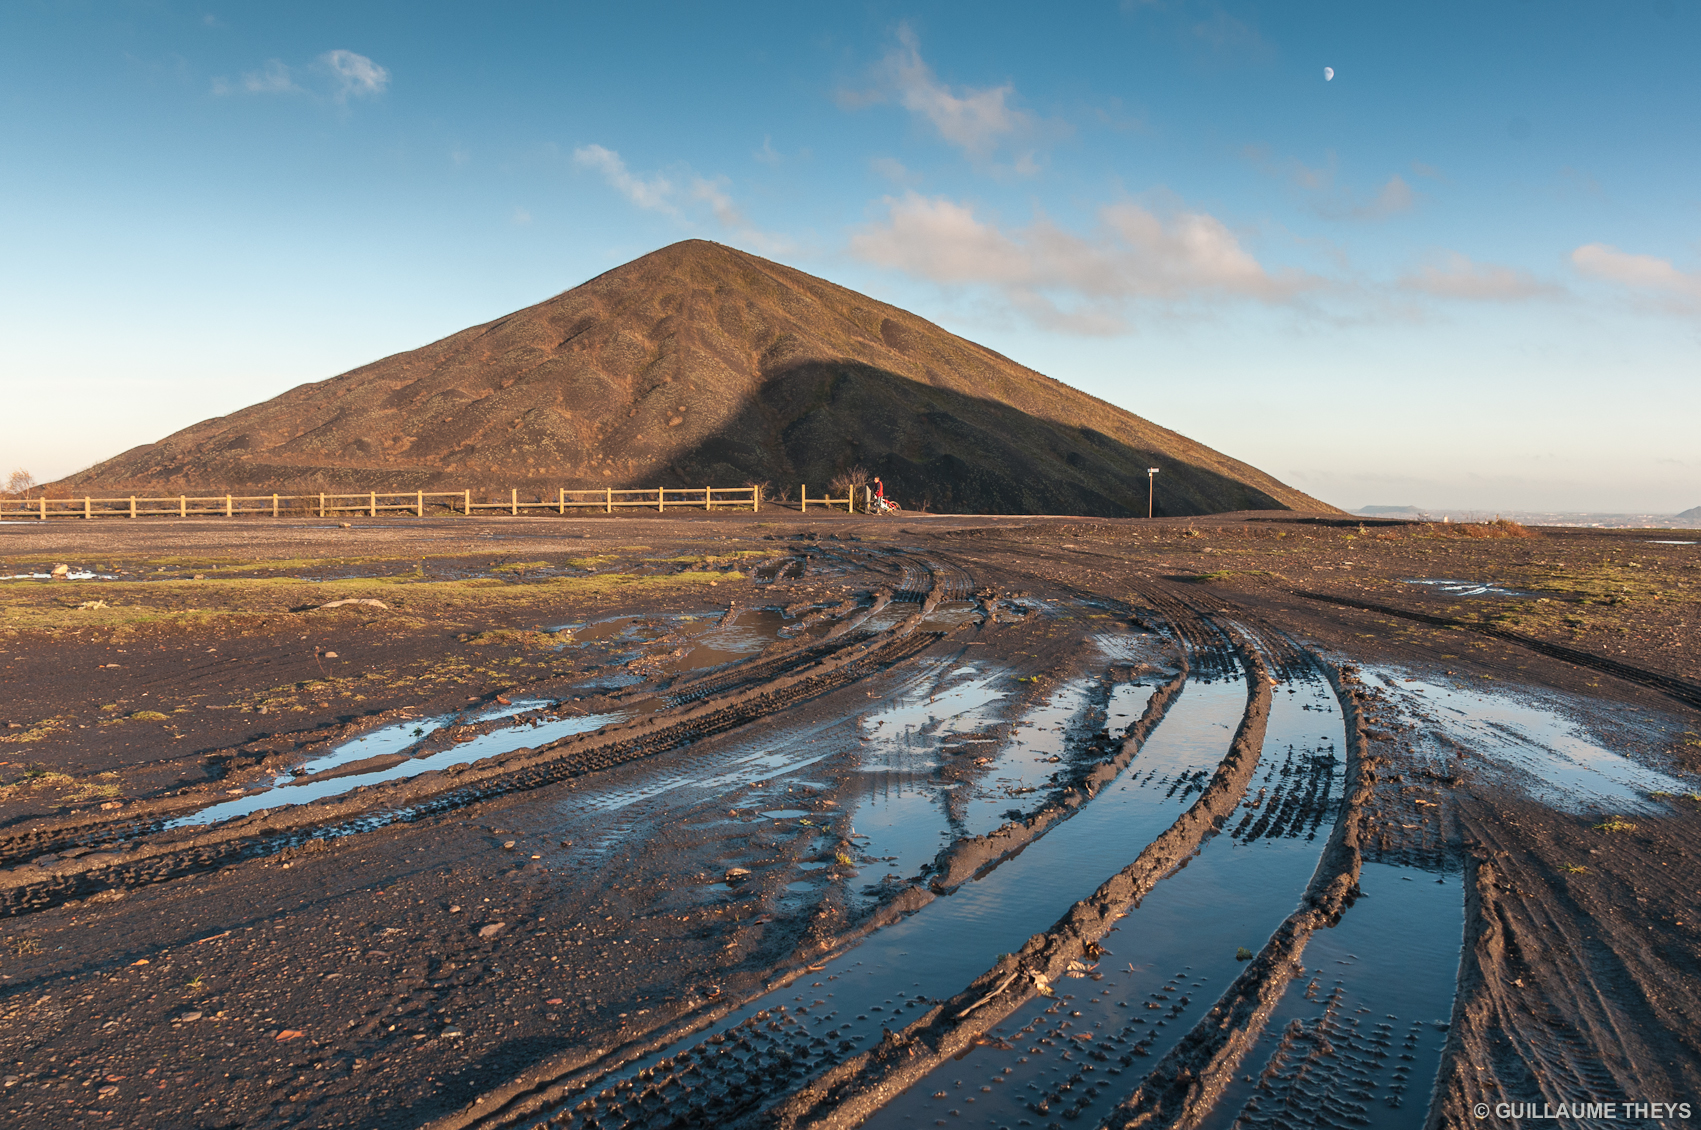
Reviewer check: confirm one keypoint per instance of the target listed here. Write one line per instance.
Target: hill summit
(702, 365)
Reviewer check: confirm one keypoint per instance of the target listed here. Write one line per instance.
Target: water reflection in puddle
(1077, 1055)
(1469, 588)
(1532, 747)
(1357, 1041)
(391, 739)
(885, 980)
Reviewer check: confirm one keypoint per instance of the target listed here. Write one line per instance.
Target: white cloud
(977, 121)
(1453, 275)
(651, 195)
(273, 78)
(1669, 287)
(1080, 283)
(355, 75)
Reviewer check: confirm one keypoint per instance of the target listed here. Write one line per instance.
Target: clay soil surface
(576, 787)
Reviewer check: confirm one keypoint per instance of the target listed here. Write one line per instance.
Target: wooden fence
(418, 503)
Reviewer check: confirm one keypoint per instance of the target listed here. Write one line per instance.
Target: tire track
(25, 890)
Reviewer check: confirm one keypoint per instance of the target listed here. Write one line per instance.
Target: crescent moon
(1328, 74)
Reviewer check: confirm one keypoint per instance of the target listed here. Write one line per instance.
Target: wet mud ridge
(87, 873)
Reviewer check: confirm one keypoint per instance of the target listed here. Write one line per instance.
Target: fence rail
(418, 503)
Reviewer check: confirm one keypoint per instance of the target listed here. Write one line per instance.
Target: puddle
(1470, 588)
(889, 977)
(1077, 1055)
(1671, 543)
(1533, 748)
(292, 791)
(1357, 1041)
(948, 615)
(1029, 759)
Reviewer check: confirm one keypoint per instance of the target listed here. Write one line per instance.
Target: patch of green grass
(1615, 824)
(1573, 869)
(148, 716)
(1244, 954)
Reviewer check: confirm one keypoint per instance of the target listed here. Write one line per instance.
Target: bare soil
(447, 947)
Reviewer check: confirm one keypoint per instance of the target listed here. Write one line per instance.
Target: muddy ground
(491, 903)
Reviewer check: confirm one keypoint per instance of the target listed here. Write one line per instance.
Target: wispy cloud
(273, 78)
(892, 169)
(342, 75)
(1656, 280)
(661, 193)
(977, 121)
(1319, 187)
(1080, 283)
(354, 75)
(652, 194)
(1455, 276)
(1393, 198)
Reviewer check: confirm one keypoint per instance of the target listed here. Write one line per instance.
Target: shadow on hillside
(942, 451)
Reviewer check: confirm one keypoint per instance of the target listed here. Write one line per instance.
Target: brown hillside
(696, 365)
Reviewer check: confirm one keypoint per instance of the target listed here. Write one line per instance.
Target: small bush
(1615, 824)
(149, 716)
(1244, 954)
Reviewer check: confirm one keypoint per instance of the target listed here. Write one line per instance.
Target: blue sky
(1465, 272)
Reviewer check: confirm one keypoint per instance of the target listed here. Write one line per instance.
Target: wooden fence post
(44, 507)
(608, 506)
(561, 501)
(86, 511)
(513, 500)
(373, 502)
(321, 504)
(661, 499)
(132, 506)
(803, 499)
(274, 504)
(756, 500)
(182, 506)
(419, 505)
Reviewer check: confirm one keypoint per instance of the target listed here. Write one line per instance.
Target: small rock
(188, 1016)
(491, 930)
(108, 806)
(109, 1089)
(291, 1034)
(199, 577)
(454, 910)
(453, 1032)
(330, 655)
(61, 571)
(509, 844)
(345, 525)
(737, 874)
(553, 1000)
